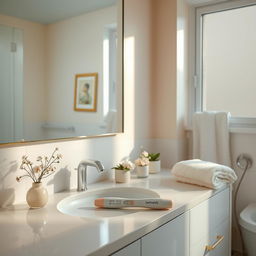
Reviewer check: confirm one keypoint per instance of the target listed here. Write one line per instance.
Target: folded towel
(203, 173)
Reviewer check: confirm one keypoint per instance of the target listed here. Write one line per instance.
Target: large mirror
(60, 69)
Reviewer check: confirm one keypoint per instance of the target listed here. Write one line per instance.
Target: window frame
(236, 123)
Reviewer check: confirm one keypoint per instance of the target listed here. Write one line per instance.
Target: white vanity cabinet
(169, 239)
(210, 225)
(207, 224)
(133, 249)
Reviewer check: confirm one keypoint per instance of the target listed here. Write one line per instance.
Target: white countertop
(46, 231)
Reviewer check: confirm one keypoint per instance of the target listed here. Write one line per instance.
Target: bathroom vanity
(205, 225)
(200, 217)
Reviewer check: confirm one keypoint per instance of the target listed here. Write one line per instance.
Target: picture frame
(85, 95)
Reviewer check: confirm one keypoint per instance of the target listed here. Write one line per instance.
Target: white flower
(144, 154)
(142, 161)
(36, 169)
(127, 165)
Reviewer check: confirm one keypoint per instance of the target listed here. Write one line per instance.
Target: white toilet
(247, 222)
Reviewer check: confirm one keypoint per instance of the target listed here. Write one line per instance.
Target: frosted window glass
(229, 61)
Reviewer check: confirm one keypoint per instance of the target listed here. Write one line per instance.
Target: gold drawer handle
(212, 247)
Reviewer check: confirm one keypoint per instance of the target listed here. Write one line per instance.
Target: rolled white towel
(203, 173)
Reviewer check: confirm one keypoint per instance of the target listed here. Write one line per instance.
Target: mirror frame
(33, 142)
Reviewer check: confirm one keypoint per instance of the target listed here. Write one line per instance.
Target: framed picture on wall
(86, 92)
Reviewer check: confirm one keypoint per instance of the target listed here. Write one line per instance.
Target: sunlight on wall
(182, 70)
(105, 76)
(181, 76)
(129, 81)
(180, 50)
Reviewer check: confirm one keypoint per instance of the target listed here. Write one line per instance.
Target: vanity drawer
(221, 249)
(132, 249)
(205, 217)
(169, 239)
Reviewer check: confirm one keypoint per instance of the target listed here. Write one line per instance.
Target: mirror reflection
(60, 69)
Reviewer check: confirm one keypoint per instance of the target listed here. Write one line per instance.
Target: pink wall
(164, 69)
(168, 85)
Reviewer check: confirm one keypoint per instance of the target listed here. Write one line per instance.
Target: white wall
(240, 144)
(75, 46)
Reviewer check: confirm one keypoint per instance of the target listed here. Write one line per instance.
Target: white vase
(122, 176)
(37, 196)
(154, 166)
(142, 171)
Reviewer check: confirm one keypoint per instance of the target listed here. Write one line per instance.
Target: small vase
(122, 176)
(142, 171)
(154, 166)
(37, 195)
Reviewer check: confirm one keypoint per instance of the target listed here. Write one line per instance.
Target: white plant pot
(122, 176)
(154, 166)
(142, 171)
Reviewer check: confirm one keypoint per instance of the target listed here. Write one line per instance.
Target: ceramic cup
(122, 176)
(142, 171)
(154, 166)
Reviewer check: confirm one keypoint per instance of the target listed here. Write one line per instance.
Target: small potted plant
(142, 164)
(37, 195)
(154, 163)
(122, 171)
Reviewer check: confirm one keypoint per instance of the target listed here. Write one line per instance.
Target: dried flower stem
(31, 170)
(48, 164)
(29, 174)
(42, 171)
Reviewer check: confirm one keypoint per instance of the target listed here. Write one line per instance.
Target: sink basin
(82, 204)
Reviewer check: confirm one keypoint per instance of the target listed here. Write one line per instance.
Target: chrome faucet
(82, 172)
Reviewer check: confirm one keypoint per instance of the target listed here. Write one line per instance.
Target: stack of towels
(202, 173)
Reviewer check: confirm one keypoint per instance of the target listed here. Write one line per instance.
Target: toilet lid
(248, 218)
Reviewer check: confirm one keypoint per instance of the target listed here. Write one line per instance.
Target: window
(226, 60)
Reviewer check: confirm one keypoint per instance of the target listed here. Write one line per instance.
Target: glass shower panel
(11, 62)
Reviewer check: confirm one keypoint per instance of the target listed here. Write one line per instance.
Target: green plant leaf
(154, 156)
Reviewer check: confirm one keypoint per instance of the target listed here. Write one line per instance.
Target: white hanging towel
(211, 137)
